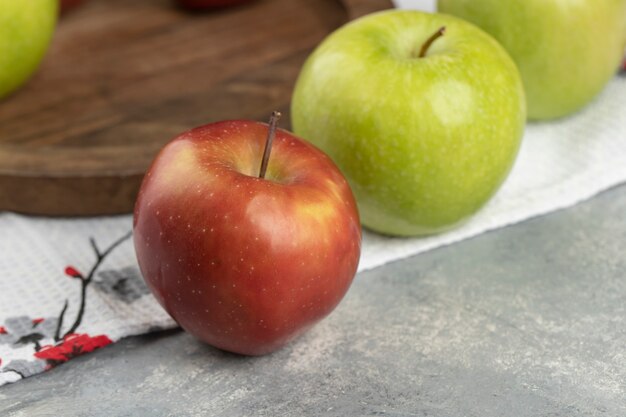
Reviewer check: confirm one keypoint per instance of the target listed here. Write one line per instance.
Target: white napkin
(561, 163)
(425, 5)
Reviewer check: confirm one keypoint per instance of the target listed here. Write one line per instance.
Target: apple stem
(429, 41)
(268, 143)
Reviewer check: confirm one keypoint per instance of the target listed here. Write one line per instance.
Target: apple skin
(210, 4)
(424, 142)
(566, 51)
(26, 28)
(242, 263)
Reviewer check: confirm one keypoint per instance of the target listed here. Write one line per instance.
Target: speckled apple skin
(242, 263)
(425, 142)
(566, 50)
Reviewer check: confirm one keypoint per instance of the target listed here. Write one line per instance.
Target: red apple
(66, 5)
(209, 4)
(245, 263)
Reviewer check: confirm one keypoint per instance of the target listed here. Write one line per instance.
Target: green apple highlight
(26, 27)
(566, 50)
(424, 141)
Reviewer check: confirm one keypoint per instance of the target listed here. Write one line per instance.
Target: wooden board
(122, 78)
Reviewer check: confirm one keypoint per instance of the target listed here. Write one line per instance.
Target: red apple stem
(268, 143)
(429, 41)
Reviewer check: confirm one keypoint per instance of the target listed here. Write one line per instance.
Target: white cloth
(425, 5)
(561, 163)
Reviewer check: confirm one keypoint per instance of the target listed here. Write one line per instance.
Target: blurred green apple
(566, 50)
(26, 27)
(425, 127)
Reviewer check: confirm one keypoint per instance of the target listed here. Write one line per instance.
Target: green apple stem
(429, 41)
(268, 143)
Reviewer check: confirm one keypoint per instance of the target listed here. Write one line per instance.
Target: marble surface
(529, 320)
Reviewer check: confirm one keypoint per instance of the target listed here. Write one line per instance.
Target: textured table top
(529, 320)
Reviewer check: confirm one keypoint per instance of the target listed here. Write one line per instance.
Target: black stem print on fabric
(57, 332)
(16, 371)
(34, 338)
(86, 280)
(23, 330)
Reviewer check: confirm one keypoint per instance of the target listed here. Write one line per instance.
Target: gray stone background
(528, 320)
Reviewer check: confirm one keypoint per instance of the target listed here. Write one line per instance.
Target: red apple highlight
(244, 263)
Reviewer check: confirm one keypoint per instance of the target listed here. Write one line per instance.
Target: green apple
(26, 27)
(425, 128)
(566, 50)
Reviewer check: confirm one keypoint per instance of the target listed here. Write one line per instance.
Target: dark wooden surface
(123, 78)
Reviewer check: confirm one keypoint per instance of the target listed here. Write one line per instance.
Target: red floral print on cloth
(70, 271)
(62, 344)
(72, 345)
